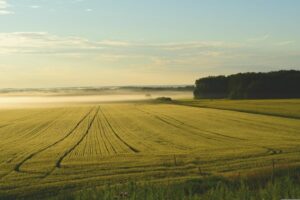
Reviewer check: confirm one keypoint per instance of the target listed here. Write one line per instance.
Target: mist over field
(149, 99)
(54, 97)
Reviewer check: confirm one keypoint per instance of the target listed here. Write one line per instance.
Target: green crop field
(46, 150)
(276, 107)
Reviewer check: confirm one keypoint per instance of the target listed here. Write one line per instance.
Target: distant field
(44, 150)
(276, 107)
(27, 99)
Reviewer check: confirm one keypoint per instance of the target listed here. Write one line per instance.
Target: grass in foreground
(283, 186)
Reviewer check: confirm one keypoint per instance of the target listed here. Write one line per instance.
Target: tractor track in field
(119, 126)
(162, 119)
(59, 161)
(272, 151)
(190, 126)
(250, 122)
(4, 125)
(31, 132)
(193, 127)
(19, 165)
(269, 150)
(8, 160)
(104, 138)
(245, 157)
(41, 128)
(13, 121)
(259, 125)
(96, 144)
(236, 110)
(70, 150)
(104, 135)
(178, 126)
(116, 134)
(154, 168)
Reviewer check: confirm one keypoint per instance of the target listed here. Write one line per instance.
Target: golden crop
(46, 149)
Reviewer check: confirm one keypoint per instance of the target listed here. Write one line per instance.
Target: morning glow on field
(149, 99)
(98, 42)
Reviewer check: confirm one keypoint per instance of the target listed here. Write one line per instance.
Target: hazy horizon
(94, 87)
(149, 99)
(79, 43)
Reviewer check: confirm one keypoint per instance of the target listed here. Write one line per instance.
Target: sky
(62, 43)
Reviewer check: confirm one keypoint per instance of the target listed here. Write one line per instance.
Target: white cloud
(3, 4)
(284, 43)
(195, 45)
(4, 8)
(40, 55)
(5, 12)
(77, 51)
(42, 42)
(114, 43)
(35, 6)
(259, 38)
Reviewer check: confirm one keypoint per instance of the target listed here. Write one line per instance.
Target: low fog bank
(84, 91)
(30, 99)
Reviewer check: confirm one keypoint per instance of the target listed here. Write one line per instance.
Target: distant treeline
(160, 88)
(278, 84)
(82, 90)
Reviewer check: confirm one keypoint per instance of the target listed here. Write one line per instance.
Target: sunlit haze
(140, 42)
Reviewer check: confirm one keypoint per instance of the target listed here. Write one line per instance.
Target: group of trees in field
(278, 84)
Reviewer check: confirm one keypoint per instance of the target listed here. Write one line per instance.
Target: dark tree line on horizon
(278, 84)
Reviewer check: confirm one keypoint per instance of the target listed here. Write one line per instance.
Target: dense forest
(278, 84)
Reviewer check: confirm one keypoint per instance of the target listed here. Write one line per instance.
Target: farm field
(276, 107)
(45, 150)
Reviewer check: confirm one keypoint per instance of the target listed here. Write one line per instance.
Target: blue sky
(95, 42)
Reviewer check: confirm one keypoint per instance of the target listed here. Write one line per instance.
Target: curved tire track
(175, 125)
(59, 161)
(19, 165)
(116, 134)
(106, 139)
(188, 125)
(269, 150)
